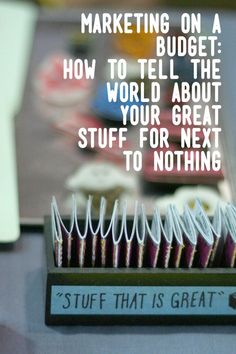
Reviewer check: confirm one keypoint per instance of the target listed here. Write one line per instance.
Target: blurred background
(47, 111)
(212, 4)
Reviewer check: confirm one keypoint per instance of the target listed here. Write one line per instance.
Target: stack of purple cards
(187, 240)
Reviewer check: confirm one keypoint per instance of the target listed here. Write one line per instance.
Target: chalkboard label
(143, 300)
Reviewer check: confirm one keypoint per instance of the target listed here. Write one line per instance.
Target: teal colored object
(17, 22)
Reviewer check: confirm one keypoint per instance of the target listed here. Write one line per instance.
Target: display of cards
(190, 239)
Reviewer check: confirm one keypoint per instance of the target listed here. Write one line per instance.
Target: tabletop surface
(22, 328)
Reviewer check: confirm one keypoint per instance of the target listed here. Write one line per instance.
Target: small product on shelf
(190, 239)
